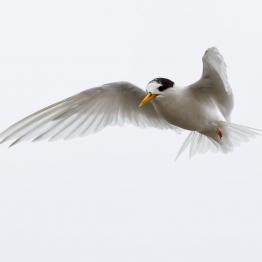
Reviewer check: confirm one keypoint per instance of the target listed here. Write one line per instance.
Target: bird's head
(155, 88)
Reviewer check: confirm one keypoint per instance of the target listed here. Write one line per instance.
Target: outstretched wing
(87, 112)
(214, 81)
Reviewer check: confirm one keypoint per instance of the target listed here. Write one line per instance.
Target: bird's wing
(87, 112)
(214, 82)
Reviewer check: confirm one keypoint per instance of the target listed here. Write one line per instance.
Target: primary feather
(214, 82)
(87, 112)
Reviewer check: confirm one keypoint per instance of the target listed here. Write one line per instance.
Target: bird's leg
(219, 133)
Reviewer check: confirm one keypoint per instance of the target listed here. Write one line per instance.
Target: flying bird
(204, 108)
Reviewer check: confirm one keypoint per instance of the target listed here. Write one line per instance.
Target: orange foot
(219, 133)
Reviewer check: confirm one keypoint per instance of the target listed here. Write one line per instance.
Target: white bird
(204, 108)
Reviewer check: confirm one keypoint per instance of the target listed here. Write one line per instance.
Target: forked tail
(233, 135)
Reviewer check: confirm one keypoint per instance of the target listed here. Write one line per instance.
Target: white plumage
(203, 108)
(87, 112)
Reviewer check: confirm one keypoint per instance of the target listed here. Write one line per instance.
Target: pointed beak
(147, 99)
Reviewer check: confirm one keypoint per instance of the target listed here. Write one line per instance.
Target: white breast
(179, 107)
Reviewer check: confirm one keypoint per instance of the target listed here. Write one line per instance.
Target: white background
(119, 195)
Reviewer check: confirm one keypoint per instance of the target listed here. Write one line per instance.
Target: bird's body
(181, 108)
(204, 108)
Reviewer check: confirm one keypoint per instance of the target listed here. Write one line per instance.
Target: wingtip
(14, 143)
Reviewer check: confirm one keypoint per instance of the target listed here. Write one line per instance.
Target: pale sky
(119, 195)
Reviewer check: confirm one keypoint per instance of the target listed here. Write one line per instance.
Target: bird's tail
(232, 135)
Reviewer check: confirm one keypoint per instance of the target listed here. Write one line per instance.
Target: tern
(203, 108)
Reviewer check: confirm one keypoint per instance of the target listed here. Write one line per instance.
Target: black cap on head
(165, 83)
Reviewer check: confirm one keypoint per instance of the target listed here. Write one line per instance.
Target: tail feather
(186, 143)
(233, 135)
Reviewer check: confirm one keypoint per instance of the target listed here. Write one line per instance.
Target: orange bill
(147, 99)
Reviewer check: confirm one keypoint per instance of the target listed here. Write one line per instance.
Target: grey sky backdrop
(118, 195)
